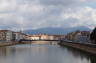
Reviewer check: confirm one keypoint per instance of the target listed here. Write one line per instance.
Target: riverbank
(8, 43)
(90, 48)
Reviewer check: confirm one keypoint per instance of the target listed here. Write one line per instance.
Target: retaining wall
(90, 48)
(7, 43)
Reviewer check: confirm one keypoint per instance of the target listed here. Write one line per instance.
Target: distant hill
(56, 30)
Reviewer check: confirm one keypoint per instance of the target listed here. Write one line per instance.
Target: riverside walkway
(8, 43)
(90, 48)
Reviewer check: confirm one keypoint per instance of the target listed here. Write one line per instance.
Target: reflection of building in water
(79, 54)
(37, 49)
(11, 51)
(7, 51)
(3, 51)
(93, 59)
(45, 42)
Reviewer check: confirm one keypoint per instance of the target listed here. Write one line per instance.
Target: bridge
(37, 40)
(40, 41)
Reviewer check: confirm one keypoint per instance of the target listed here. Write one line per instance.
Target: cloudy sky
(35, 14)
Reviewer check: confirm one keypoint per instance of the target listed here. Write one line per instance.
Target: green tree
(93, 36)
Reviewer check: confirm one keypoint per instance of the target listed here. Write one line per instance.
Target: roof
(5, 30)
(20, 33)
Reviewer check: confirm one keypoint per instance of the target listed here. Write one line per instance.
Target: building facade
(34, 37)
(79, 36)
(19, 36)
(6, 35)
(46, 37)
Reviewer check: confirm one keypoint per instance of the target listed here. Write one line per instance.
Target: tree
(93, 36)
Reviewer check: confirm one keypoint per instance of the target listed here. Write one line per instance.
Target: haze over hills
(56, 30)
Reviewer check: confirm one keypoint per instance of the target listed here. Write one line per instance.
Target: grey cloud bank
(35, 14)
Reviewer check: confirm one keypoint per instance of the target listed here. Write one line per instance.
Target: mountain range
(57, 31)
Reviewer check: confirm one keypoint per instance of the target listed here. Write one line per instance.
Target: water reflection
(43, 54)
(81, 54)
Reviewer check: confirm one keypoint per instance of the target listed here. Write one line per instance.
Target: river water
(43, 53)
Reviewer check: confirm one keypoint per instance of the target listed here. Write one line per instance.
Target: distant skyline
(36, 14)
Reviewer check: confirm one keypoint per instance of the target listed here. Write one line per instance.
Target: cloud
(34, 14)
(61, 2)
(85, 16)
(7, 5)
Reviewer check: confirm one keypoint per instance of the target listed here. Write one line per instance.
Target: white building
(82, 39)
(19, 36)
(34, 37)
(9, 35)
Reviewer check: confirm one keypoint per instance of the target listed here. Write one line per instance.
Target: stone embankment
(7, 43)
(90, 48)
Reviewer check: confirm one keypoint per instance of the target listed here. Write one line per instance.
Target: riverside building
(6, 35)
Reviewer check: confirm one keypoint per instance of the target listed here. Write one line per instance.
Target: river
(43, 53)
